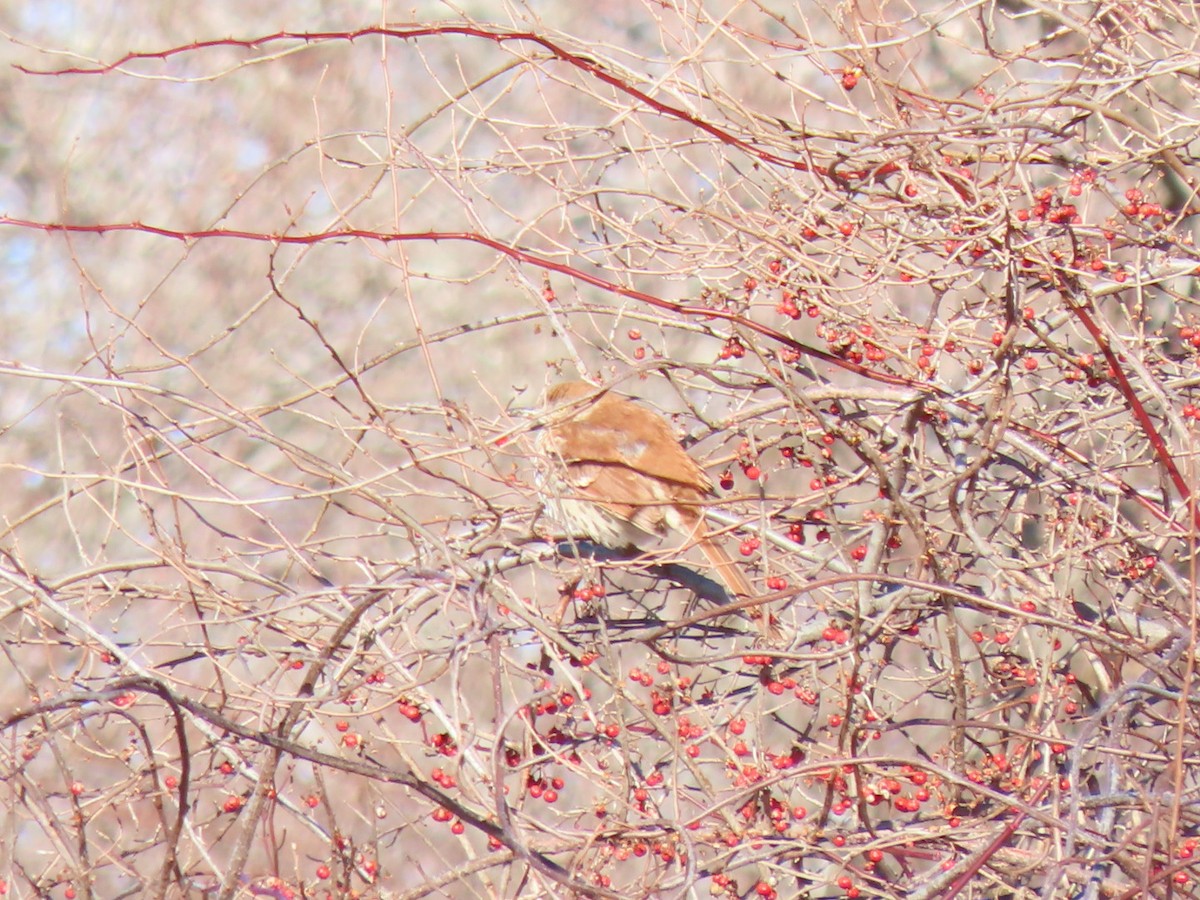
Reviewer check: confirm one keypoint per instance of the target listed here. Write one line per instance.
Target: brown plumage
(620, 477)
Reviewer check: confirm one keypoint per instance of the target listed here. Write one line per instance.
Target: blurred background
(274, 278)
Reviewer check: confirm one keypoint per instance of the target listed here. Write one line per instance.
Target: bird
(618, 477)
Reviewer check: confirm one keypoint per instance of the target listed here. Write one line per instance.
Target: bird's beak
(532, 413)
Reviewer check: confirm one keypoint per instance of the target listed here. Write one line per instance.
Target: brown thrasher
(619, 476)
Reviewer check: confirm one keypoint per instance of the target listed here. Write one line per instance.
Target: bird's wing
(646, 447)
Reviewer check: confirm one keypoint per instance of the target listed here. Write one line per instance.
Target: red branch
(573, 273)
(1000, 840)
(1135, 404)
(680, 309)
(582, 63)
